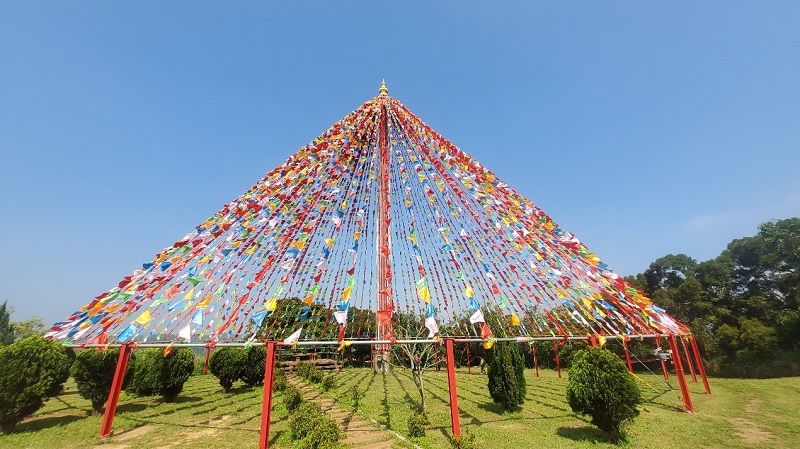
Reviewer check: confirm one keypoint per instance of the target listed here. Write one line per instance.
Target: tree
(669, 271)
(507, 375)
(156, 373)
(418, 358)
(93, 371)
(227, 365)
(6, 333)
(26, 328)
(600, 386)
(29, 369)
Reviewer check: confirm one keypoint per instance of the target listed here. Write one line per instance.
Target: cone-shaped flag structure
(380, 216)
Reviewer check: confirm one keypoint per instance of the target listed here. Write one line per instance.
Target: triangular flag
(433, 327)
(294, 338)
(144, 318)
(186, 333)
(477, 317)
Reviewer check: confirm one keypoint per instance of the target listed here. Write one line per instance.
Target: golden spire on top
(384, 89)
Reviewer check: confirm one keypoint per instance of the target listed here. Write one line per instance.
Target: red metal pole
(688, 359)
(535, 359)
(384, 263)
(451, 386)
(116, 387)
(558, 362)
(266, 403)
(700, 365)
(627, 356)
(663, 363)
(676, 360)
(208, 357)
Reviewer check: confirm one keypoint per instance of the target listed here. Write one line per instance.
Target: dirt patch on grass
(133, 433)
(750, 433)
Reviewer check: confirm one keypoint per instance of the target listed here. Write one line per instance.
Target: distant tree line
(743, 306)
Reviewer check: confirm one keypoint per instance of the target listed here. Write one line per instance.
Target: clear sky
(646, 128)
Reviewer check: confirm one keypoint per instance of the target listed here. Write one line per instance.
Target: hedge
(156, 374)
(227, 365)
(30, 369)
(93, 371)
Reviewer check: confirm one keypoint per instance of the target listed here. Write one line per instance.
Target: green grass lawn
(740, 414)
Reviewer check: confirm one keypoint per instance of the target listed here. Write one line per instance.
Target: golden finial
(384, 89)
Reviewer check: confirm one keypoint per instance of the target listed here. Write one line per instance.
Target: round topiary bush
(279, 383)
(227, 364)
(156, 374)
(329, 382)
(507, 375)
(311, 428)
(29, 370)
(292, 398)
(416, 424)
(601, 387)
(93, 371)
(253, 368)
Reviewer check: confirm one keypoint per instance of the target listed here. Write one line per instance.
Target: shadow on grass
(36, 424)
(584, 433)
(132, 407)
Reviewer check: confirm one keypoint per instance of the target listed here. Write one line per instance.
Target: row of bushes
(311, 373)
(309, 426)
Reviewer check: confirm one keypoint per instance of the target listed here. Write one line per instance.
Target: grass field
(740, 414)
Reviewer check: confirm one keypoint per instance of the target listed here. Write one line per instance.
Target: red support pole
(688, 359)
(535, 359)
(451, 386)
(663, 362)
(266, 403)
(116, 387)
(676, 360)
(627, 356)
(700, 366)
(208, 357)
(558, 362)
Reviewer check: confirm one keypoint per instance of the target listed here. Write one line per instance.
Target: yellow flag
(602, 340)
(424, 294)
(204, 302)
(514, 319)
(144, 318)
(346, 293)
(189, 295)
(469, 292)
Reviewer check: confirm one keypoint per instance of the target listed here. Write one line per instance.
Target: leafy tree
(93, 371)
(156, 373)
(254, 366)
(506, 375)
(669, 271)
(6, 333)
(227, 365)
(27, 328)
(29, 369)
(418, 358)
(600, 386)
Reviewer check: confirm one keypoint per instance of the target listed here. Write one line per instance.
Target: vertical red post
(451, 386)
(208, 357)
(558, 362)
(663, 362)
(688, 359)
(676, 360)
(700, 366)
(535, 359)
(116, 387)
(384, 264)
(627, 355)
(266, 403)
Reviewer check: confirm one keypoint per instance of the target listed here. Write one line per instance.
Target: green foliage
(303, 369)
(292, 397)
(356, 395)
(253, 369)
(465, 441)
(279, 382)
(329, 382)
(601, 387)
(28, 328)
(743, 306)
(155, 374)
(6, 333)
(93, 371)
(506, 375)
(227, 364)
(416, 424)
(311, 429)
(29, 370)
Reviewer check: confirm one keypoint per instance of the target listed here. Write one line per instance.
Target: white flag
(477, 317)
(341, 316)
(294, 338)
(433, 328)
(186, 333)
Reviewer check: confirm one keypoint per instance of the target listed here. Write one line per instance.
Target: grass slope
(740, 414)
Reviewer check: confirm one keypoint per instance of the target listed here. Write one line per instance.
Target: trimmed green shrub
(507, 375)
(303, 369)
(253, 369)
(356, 395)
(292, 398)
(93, 371)
(329, 382)
(227, 364)
(315, 375)
(312, 429)
(156, 374)
(416, 424)
(29, 370)
(600, 386)
(465, 441)
(279, 383)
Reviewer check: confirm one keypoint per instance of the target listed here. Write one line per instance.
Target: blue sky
(646, 128)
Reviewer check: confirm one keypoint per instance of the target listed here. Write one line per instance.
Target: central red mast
(385, 306)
